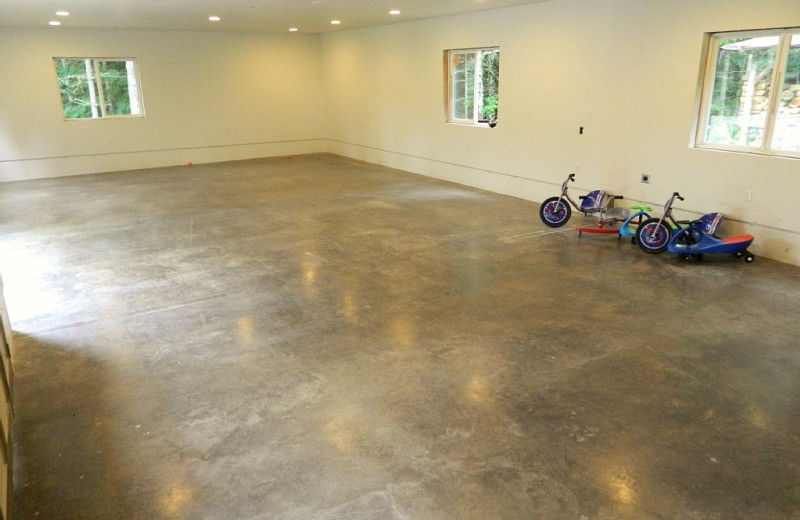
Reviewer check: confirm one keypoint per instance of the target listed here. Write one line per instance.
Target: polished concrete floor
(321, 339)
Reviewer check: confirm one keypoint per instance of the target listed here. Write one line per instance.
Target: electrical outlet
(646, 178)
(748, 195)
(577, 168)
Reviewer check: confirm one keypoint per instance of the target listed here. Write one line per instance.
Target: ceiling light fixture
(293, 29)
(62, 13)
(394, 12)
(214, 18)
(335, 22)
(54, 22)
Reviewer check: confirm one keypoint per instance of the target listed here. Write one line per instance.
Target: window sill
(777, 154)
(470, 124)
(106, 118)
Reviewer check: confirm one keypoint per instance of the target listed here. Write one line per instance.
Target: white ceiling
(309, 16)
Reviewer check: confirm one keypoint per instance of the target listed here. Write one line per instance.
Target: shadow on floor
(69, 460)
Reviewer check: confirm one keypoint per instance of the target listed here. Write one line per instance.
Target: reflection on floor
(322, 339)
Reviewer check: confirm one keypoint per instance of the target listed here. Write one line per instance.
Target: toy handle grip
(572, 177)
(677, 196)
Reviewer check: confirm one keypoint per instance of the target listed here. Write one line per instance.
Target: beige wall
(566, 64)
(377, 94)
(208, 97)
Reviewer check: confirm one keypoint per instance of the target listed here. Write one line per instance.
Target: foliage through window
(751, 93)
(93, 88)
(472, 85)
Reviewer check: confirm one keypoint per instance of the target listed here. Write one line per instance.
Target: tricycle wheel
(653, 236)
(555, 212)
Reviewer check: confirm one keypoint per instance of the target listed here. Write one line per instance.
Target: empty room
(400, 259)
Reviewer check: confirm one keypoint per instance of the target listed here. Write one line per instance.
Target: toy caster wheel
(749, 258)
(738, 254)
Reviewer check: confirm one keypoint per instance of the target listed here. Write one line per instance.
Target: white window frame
(100, 105)
(449, 86)
(706, 87)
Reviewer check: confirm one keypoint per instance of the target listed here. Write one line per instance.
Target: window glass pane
(463, 95)
(490, 75)
(93, 88)
(78, 88)
(119, 87)
(787, 124)
(740, 94)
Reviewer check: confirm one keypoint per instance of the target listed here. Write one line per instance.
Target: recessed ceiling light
(54, 22)
(293, 29)
(335, 22)
(62, 13)
(213, 18)
(394, 12)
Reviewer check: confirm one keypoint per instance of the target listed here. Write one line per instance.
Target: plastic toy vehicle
(690, 238)
(556, 211)
(698, 239)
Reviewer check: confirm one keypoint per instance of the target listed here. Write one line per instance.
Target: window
(93, 88)
(472, 85)
(751, 93)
